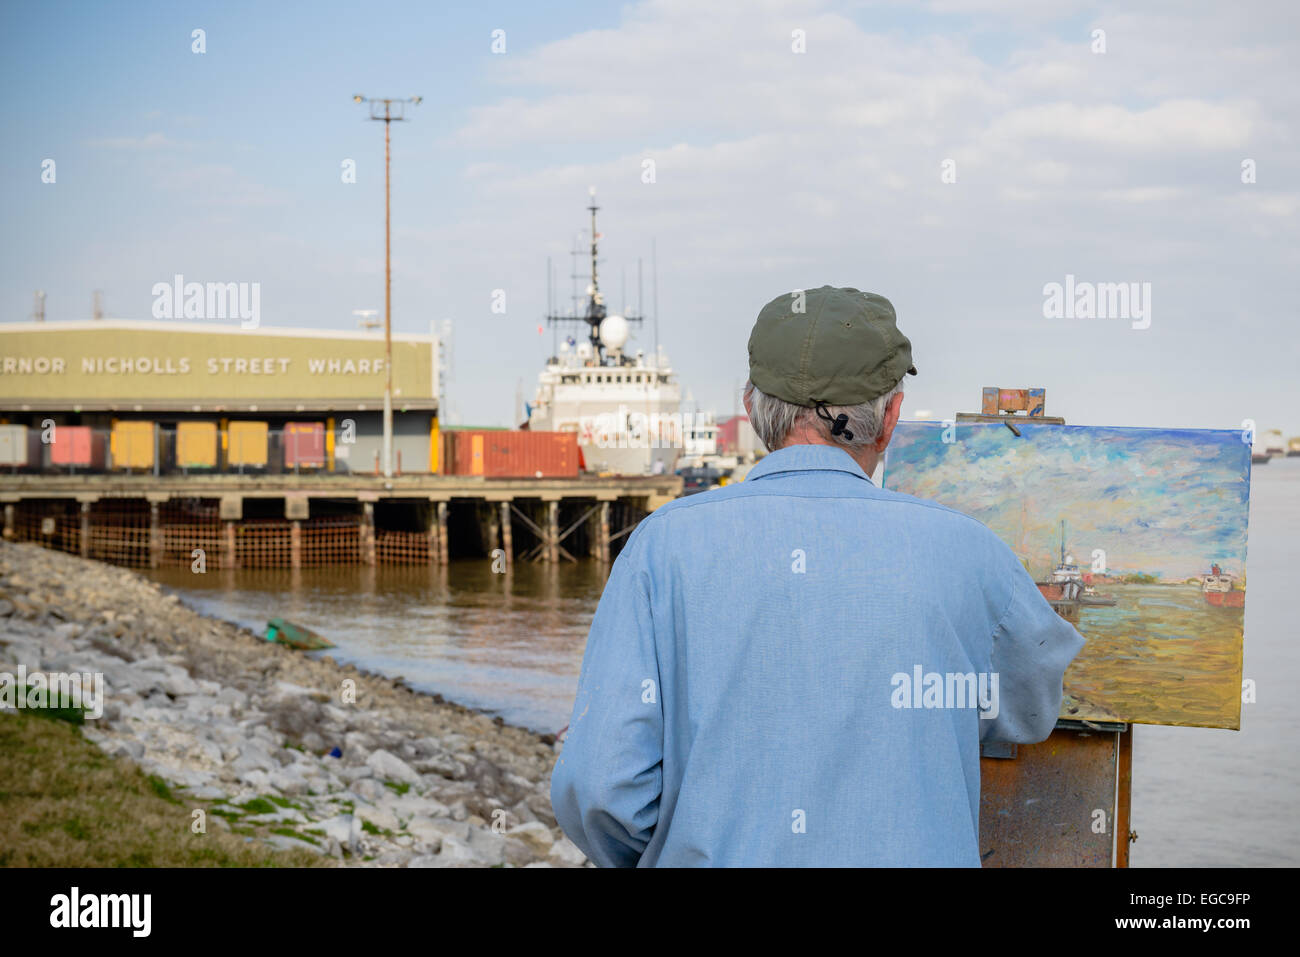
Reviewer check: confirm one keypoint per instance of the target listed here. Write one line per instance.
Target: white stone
(536, 835)
(566, 854)
(390, 767)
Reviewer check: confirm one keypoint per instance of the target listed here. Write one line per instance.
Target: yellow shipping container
(131, 443)
(196, 445)
(247, 444)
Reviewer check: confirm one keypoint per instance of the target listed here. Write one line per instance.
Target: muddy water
(509, 644)
(513, 645)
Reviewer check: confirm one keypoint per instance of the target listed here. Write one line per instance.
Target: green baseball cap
(838, 346)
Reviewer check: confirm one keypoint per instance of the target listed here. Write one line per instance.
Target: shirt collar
(804, 458)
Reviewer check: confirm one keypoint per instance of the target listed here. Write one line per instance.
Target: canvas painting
(1136, 536)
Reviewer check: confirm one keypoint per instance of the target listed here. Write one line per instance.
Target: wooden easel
(1066, 801)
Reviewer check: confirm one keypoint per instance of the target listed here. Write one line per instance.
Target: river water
(512, 645)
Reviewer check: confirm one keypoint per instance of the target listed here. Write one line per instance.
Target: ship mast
(595, 305)
(596, 311)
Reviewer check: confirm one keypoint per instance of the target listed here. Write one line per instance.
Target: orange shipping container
(131, 444)
(247, 442)
(510, 454)
(196, 445)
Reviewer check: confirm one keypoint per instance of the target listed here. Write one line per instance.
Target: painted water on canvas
(1137, 536)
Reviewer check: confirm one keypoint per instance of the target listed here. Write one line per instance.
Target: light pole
(388, 116)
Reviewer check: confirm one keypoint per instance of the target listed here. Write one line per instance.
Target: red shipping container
(79, 446)
(510, 454)
(304, 445)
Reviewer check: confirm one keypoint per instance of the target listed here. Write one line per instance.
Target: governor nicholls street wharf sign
(112, 364)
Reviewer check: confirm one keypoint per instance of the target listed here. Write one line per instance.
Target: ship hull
(1226, 599)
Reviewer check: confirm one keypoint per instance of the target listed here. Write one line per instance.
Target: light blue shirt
(749, 692)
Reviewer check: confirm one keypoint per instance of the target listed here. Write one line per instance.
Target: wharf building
(147, 443)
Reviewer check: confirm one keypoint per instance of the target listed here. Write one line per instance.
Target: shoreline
(246, 728)
(546, 737)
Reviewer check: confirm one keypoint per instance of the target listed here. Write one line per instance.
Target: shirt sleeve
(606, 785)
(1032, 647)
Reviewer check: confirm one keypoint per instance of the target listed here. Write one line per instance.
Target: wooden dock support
(367, 537)
(155, 537)
(295, 544)
(507, 534)
(431, 530)
(9, 522)
(602, 534)
(229, 557)
(493, 529)
(552, 531)
(442, 533)
(85, 530)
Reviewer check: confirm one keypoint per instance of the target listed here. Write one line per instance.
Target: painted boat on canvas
(1221, 590)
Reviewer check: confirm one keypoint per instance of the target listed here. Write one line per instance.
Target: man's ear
(893, 410)
(745, 394)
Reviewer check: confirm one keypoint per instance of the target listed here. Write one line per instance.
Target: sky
(1157, 501)
(955, 156)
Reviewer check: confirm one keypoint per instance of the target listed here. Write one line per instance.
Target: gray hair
(773, 419)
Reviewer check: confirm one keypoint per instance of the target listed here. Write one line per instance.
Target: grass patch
(400, 787)
(290, 832)
(65, 803)
(258, 806)
(60, 710)
(371, 828)
(162, 789)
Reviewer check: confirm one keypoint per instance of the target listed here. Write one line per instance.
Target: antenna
(550, 306)
(97, 304)
(595, 283)
(654, 287)
(595, 312)
(39, 313)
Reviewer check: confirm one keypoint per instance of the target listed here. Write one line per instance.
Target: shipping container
(196, 445)
(132, 444)
(304, 445)
(512, 454)
(20, 447)
(246, 443)
(78, 446)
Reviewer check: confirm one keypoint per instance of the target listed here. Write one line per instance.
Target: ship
(1221, 589)
(624, 406)
(1293, 447)
(1067, 589)
(1259, 453)
(1273, 444)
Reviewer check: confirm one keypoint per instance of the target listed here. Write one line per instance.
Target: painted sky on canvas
(1166, 502)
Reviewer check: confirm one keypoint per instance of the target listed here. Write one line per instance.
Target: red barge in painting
(1220, 590)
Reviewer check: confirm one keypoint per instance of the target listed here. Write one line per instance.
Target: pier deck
(292, 520)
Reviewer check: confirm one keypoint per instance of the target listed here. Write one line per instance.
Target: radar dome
(584, 350)
(613, 332)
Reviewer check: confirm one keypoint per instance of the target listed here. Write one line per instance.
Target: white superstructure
(625, 408)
